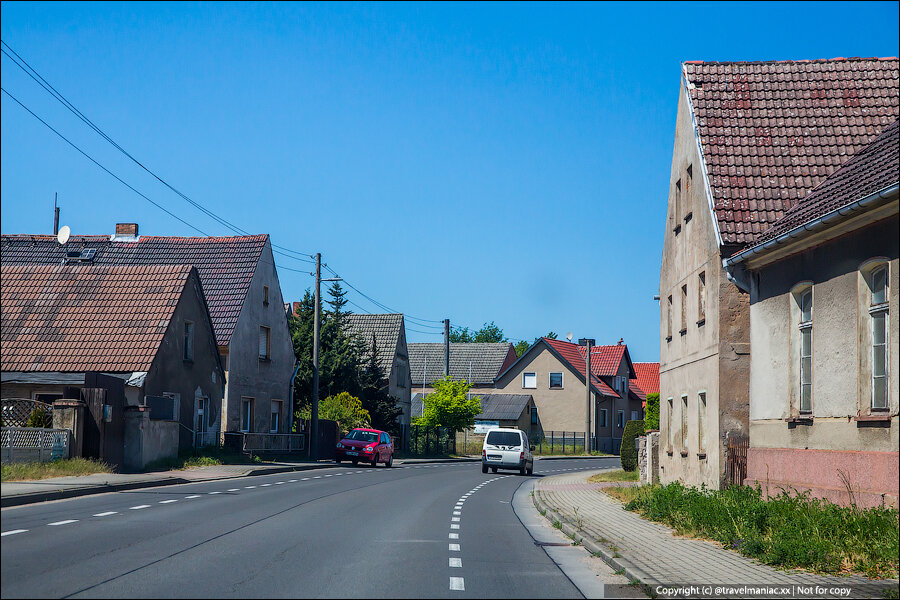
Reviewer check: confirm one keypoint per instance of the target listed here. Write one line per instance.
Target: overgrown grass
(623, 494)
(30, 471)
(785, 531)
(617, 475)
(210, 457)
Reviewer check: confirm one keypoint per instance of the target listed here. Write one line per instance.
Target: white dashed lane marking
(66, 522)
(12, 532)
(191, 497)
(139, 507)
(456, 562)
(167, 501)
(457, 584)
(454, 547)
(106, 514)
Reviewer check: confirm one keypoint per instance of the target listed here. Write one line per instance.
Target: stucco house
(553, 373)
(242, 290)
(824, 333)
(751, 140)
(386, 333)
(147, 326)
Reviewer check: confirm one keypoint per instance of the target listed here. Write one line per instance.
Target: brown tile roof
(226, 264)
(772, 131)
(78, 318)
(872, 169)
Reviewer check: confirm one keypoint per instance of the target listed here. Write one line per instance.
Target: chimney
(584, 341)
(296, 309)
(125, 232)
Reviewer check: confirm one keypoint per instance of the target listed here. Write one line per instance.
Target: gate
(736, 460)
(104, 418)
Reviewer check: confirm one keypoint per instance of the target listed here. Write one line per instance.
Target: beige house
(751, 140)
(824, 330)
(553, 373)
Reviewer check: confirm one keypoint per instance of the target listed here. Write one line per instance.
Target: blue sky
(482, 162)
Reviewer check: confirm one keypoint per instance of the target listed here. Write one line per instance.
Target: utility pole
(55, 214)
(314, 420)
(446, 346)
(587, 394)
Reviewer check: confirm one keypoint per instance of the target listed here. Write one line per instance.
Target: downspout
(736, 271)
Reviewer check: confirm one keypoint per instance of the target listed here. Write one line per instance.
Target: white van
(506, 448)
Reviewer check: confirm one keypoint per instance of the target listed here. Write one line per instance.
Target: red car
(365, 445)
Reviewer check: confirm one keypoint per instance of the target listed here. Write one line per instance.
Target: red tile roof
(772, 131)
(226, 264)
(872, 169)
(78, 318)
(575, 356)
(647, 377)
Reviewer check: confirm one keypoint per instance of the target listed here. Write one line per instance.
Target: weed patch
(786, 531)
(68, 467)
(617, 475)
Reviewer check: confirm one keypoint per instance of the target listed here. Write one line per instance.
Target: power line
(37, 77)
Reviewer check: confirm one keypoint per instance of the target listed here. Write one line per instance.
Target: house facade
(243, 293)
(386, 333)
(147, 326)
(553, 373)
(824, 331)
(751, 140)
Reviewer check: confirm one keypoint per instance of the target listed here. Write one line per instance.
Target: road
(413, 531)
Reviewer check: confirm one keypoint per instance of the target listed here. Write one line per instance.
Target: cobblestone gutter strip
(588, 538)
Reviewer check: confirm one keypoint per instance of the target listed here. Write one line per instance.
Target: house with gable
(646, 380)
(824, 332)
(385, 334)
(146, 328)
(243, 293)
(751, 140)
(552, 372)
(478, 363)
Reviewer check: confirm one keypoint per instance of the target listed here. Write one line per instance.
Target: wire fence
(431, 441)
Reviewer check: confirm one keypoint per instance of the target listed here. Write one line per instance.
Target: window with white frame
(804, 302)
(556, 381)
(529, 380)
(246, 414)
(275, 419)
(620, 419)
(879, 319)
(265, 339)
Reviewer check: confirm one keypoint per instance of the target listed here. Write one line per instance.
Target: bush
(627, 452)
(651, 415)
(39, 417)
(785, 531)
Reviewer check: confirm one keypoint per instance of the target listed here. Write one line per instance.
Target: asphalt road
(414, 531)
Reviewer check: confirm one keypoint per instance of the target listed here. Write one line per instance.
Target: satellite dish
(63, 236)
(569, 336)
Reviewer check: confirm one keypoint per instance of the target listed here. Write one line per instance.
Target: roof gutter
(735, 268)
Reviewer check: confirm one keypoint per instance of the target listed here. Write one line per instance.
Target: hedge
(628, 453)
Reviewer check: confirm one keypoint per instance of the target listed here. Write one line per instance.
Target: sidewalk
(650, 552)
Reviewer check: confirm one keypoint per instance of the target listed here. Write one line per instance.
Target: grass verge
(617, 475)
(30, 471)
(789, 531)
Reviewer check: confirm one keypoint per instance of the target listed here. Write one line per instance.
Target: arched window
(803, 311)
(877, 278)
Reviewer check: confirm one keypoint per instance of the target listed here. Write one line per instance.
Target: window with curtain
(878, 316)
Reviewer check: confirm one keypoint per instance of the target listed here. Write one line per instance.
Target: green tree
(489, 333)
(652, 412)
(375, 397)
(523, 346)
(448, 406)
(347, 410)
(627, 452)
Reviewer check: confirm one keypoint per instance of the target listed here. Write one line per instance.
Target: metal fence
(431, 441)
(260, 443)
(561, 442)
(33, 444)
(736, 460)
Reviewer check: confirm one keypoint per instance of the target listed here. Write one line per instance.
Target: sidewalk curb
(402, 461)
(575, 457)
(61, 494)
(598, 549)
